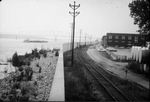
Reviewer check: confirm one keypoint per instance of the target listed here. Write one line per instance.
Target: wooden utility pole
(74, 14)
(71, 36)
(85, 40)
(91, 39)
(80, 38)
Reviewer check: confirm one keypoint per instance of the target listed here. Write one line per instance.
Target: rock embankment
(32, 79)
(46, 67)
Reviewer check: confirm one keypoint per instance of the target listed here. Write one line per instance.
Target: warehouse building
(124, 39)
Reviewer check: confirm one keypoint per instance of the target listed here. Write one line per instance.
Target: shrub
(35, 53)
(37, 65)
(16, 85)
(28, 73)
(40, 77)
(28, 89)
(27, 55)
(43, 52)
(40, 69)
(15, 60)
(57, 53)
(20, 69)
(24, 99)
(45, 55)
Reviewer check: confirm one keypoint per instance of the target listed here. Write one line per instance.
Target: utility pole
(91, 39)
(74, 14)
(80, 38)
(71, 36)
(149, 80)
(85, 39)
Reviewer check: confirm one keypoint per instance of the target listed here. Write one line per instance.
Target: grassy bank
(78, 87)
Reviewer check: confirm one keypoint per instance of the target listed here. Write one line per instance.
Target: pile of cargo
(140, 54)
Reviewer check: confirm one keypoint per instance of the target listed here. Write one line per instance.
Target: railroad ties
(99, 74)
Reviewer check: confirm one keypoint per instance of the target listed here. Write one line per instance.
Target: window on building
(110, 37)
(129, 37)
(116, 37)
(123, 37)
(142, 38)
(109, 40)
(136, 39)
(129, 42)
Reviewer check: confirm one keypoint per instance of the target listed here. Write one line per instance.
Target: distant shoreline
(20, 36)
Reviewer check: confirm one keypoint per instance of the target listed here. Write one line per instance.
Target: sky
(51, 18)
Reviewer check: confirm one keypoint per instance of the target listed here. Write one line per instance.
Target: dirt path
(117, 68)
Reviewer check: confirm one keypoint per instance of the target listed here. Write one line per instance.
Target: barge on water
(35, 41)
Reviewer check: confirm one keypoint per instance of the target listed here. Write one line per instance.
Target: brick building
(104, 41)
(124, 39)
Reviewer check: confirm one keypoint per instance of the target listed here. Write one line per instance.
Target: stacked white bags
(139, 53)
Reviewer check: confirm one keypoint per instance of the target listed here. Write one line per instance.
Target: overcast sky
(51, 18)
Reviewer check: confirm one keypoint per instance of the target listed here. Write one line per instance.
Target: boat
(35, 41)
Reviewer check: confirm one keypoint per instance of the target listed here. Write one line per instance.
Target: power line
(74, 14)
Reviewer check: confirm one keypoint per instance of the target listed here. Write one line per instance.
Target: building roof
(122, 34)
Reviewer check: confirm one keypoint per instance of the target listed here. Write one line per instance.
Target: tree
(57, 53)
(139, 10)
(15, 60)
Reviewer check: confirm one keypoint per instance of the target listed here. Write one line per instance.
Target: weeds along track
(100, 75)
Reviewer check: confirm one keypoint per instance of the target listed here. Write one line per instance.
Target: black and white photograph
(74, 50)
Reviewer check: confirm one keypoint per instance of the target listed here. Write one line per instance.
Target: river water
(9, 46)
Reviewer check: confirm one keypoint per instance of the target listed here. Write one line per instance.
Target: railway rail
(101, 76)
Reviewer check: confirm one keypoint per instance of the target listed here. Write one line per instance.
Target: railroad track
(100, 75)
